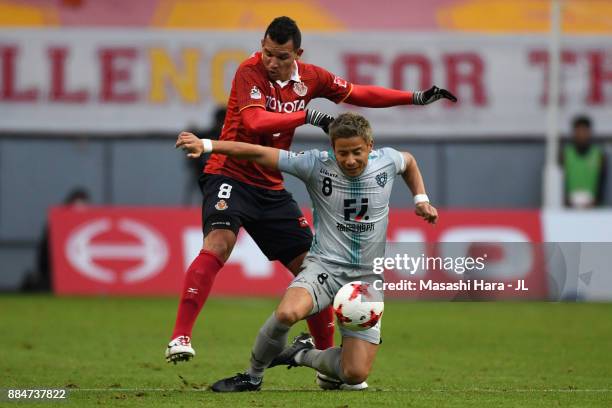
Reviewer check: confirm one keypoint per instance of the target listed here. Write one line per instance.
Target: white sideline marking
(372, 389)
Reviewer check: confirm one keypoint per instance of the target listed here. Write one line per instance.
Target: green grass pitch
(109, 353)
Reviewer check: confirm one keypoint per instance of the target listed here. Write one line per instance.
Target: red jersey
(252, 87)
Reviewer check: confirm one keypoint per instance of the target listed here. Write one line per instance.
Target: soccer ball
(358, 306)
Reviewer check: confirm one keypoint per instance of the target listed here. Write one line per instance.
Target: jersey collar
(295, 76)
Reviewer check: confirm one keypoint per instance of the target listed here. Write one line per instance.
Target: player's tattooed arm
(414, 180)
(195, 147)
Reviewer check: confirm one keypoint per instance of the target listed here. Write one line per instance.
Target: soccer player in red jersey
(268, 100)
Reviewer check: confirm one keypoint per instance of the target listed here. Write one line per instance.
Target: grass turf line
(109, 351)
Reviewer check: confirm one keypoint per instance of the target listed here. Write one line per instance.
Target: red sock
(196, 287)
(321, 327)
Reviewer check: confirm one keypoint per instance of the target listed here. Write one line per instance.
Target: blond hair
(350, 124)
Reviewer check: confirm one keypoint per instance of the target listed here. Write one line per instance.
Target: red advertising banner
(145, 251)
(117, 251)
(497, 255)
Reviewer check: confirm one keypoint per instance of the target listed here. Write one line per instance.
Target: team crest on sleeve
(340, 82)
(221, 205)
(255, 93)
(381, 179)
(300, 88)
(303, 222)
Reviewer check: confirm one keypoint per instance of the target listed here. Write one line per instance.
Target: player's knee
(354, 374)
(220, 250)
(287, 316)
(220, 243)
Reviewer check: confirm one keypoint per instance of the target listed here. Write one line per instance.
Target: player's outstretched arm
(378, 97)
(195, 147)
(414, 180)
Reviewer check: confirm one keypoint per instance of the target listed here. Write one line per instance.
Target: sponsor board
(503, 247)
(146, 251)
(117, 251)
(146, 80)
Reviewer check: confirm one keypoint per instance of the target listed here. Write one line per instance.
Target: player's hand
(431, 95)
(190, 143)
(427, 212)
(320, 119)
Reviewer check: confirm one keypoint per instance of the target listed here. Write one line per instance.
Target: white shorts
(323, 280)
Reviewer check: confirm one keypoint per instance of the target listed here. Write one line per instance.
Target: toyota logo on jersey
(288, 107)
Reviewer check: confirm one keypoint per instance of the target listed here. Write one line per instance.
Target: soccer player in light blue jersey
(350, 187)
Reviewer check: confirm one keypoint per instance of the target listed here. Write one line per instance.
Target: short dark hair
(582, 120)
(77, 194)
(283, 29)
(348, 125)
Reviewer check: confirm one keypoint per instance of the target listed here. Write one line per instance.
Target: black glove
(431, 95)
(320, 119)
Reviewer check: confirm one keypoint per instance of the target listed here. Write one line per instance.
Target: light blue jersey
(350, 213)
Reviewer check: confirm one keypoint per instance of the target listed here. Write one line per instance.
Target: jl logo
(381, 179)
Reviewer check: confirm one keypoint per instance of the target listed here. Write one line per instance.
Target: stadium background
(93, 93)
